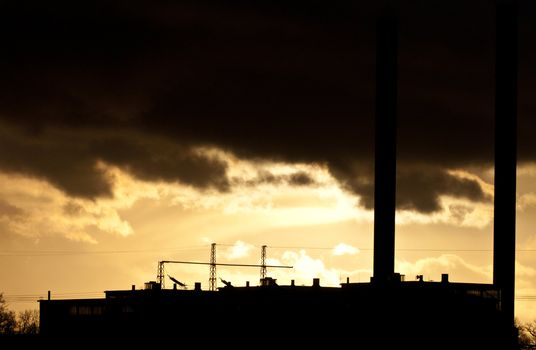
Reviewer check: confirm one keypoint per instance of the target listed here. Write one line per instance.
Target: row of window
(79, 310)
(82, 310)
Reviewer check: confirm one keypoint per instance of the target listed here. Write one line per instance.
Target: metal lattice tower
(160, 275)
(263, 262)
(212, 279)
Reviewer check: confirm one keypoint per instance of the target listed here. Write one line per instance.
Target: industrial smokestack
(385, 146)
(504, 222)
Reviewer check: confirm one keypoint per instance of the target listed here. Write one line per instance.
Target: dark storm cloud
(418, 186)
(299, 178)
(61, 159)
(355, 177)
(69, 159)
(281, 80)
(419, 189)
(156, 160)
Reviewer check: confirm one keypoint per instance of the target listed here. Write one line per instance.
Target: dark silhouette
(387, 313)
(527, 335)
(227, 283)
(8, 321)
(28, 322)
(504, 225)
(177, 282)
(455, 315)
(18, 332)
(385, 148)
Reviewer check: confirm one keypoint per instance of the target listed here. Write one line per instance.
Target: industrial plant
(388, 312)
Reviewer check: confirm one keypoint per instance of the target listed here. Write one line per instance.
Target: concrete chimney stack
(504, 225)
(385, 146)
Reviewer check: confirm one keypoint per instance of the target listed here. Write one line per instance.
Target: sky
(139, 131)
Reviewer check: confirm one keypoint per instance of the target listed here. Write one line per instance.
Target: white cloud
(328, 203)
(323, 203)
(455, 211)
(239, 250)
(80, 236)
(458, 269)
(487, 188)
(344, 249)
(306, 268)
(526, 200)
(46, 211)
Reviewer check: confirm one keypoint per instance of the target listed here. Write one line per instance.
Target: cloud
(526, 200)
(239, 250)
(266, 177)
(70, 159)
(344, 249)
(10, 211)
(285, 81)
(49, 212)
(300, 178)
(59, 157)
(306, 268)
(454, 211)
(34, 208)
(433, 267)
(419, 188)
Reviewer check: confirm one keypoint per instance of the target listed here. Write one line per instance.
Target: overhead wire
(32, 253)
(26, 298)
(37, 253)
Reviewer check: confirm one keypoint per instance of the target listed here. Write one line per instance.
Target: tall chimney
(385, 146)
(504, 221)
(504, 230)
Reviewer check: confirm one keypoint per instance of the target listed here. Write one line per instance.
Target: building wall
(406, 315)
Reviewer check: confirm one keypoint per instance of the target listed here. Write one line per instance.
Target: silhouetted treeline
(527, 335)
(27, 321)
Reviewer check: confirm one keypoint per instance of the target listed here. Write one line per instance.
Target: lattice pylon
(263, 262)
(160, 277)
(212, 278)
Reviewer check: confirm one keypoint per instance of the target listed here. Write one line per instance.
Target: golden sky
(171, 125)
(79, 248)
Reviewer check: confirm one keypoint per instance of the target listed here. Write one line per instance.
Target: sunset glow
(133, 133)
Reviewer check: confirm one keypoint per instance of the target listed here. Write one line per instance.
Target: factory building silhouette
(388, 312)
